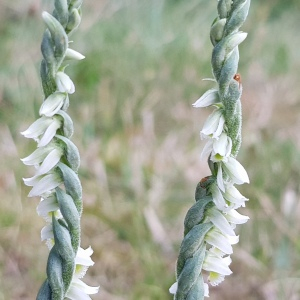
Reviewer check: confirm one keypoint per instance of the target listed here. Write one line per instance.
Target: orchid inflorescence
(57, 160)
(209, 224)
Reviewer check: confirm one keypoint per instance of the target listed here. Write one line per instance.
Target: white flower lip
(64, 83)
(209, 98)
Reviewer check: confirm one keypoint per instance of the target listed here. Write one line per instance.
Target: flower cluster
(56, 161)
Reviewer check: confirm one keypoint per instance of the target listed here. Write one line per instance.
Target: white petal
(49, 133)
(236, 171)
(32, 181)
(217, 197)
(52, 104)
(220, 221)
(50, 162)
(206, 290)
(64, 83)
(173, 288)
(47, 183)
(207, 149)
(236, 218)
(208, 98)
(219, 128)
(83, 257)
(220, 180)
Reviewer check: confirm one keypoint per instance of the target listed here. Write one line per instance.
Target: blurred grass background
(139, 141)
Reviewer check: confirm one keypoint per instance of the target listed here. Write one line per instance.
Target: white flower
(235, 171)
(216, 264)
(47, 206)
(43, 184)
(64, 83)
(47, 234)
(50, 161)
(173, 288)
(215, 278)
(236, 218)
(53, 104)
(43, 130)
(233, 196)
(37, 128)
(49, 133)
(79, 290)
(83, 261)
(214, 125)
(72, 54)
(221, 148)
(208, 98)
(220, 240)
(37, 157)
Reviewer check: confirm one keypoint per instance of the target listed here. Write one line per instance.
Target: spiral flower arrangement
(209, 224)
(57, 160)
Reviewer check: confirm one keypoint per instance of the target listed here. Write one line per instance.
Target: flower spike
(210, 222)
(57, 160)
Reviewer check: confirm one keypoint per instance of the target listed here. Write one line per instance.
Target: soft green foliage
(144, 63)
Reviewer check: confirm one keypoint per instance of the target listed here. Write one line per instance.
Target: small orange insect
(204, 179)
(237, 77)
